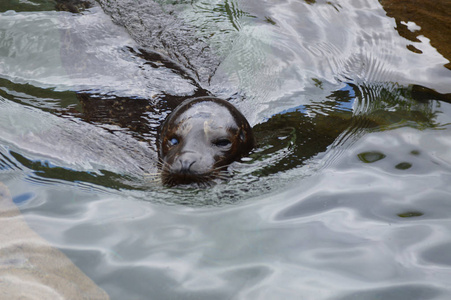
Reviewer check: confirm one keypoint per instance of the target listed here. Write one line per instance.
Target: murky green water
(347, 195)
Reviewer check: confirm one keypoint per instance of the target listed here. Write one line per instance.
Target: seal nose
(185, 165)
(186, 162)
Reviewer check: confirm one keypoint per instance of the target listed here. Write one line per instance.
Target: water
(347, 195)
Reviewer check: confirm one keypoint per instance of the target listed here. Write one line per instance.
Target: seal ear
(246, 137)
(242, 135)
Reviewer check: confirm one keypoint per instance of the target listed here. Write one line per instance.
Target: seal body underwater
(199, 139)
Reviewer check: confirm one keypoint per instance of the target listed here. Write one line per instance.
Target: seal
(199, 139)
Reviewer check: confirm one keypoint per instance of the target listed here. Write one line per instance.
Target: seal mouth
(188, 178)
(176, 179)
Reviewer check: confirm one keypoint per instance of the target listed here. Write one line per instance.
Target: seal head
(200, 138)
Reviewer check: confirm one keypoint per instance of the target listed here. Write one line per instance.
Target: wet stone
(415, 152)
(403, 166)
(371, 157)
(410, 214)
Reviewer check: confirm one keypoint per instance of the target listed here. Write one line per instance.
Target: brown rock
(434, 18)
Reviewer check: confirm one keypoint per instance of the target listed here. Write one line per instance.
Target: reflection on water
(346, 195)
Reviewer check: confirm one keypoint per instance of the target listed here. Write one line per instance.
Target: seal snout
(187, 168)
(185, 163)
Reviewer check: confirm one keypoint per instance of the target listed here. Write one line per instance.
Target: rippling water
(347, 195)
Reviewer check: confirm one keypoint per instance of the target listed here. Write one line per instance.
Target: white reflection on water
(70, 143)
(78, 52)
(333, 235)
(274, 64)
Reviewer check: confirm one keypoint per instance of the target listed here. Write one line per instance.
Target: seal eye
(173, 142)
(222, 142)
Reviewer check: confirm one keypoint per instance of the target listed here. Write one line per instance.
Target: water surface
(347, 195)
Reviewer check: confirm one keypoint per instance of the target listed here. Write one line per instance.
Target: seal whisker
(161, 164)
(155, 179)
(151, 174)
